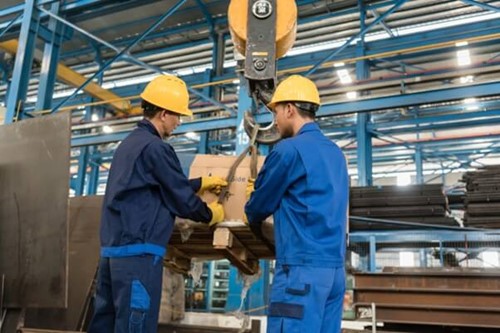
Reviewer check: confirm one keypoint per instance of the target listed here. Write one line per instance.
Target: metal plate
(34, 187)
(84, 222)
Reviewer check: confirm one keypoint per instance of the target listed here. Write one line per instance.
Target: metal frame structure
(409, 113)
(400, 102)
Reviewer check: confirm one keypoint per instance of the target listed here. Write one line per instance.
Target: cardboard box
(213, 165)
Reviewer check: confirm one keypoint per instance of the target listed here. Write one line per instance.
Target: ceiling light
(191, 135)
(352, 95)
(107, 129)
(467, 79)
(463, 57)
(470, 100)
(344, 76)
(95, 117)
(403, 179)
(460, 44)
(338, 64)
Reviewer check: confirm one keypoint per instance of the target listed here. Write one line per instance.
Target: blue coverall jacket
(304, 184)
(146, 190)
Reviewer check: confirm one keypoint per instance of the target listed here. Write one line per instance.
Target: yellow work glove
(250, 187)
(217, 213)
(212, 184)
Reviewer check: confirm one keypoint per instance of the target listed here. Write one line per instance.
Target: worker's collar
(309, 127)
(148, 126)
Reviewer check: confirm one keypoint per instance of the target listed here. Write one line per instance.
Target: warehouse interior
(410, 91)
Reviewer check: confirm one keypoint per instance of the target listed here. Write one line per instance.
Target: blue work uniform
(146, 190)
(304, 184)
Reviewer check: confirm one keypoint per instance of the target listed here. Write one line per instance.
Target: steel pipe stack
(417, 204)
(482, 202)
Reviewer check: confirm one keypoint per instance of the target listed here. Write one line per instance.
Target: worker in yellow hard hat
(304, 184)
(146, 190)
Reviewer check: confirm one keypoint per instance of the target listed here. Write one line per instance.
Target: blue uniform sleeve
(271, 183)
(195, 184)
(177, 191)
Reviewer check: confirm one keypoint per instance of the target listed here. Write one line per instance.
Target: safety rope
(252, 149)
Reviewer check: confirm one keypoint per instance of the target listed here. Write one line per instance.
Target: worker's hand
(217, 213)
(212, 184)
(250, 187)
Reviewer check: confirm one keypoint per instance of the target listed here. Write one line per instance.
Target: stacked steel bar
(417, 204)
(453, 297)
(482, 202)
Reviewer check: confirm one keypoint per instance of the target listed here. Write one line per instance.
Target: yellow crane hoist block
(286, 25)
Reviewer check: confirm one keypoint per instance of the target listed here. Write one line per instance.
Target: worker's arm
(271, 183)
(195, 184)
(176, 190)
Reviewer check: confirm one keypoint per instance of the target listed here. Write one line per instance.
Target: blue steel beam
(383, 24)
(378, 156)
(231, 122)
(396, 236)
(123, 51)
(419, 165)
(355, 37)
(10, 24)
(130, 58)
(472, 30)
(245, 103)
(435, 119)
(395, 44)
(363, 136)
(207, 15)
(24, 59)
(418, 98)
(482, 5)
(20, 8)
(194, 126)
(223, 22)
(48, 71)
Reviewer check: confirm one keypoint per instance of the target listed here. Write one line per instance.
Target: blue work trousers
(306, 299)
(128, 295)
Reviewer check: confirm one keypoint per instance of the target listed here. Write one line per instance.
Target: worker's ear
(162, 114)
(290, 110)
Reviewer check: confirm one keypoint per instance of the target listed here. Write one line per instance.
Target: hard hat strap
(307, 107)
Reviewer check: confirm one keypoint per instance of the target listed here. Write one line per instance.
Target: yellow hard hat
(168, 92)
(295, 88)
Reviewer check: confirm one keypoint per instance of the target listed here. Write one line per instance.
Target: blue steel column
(203, 144)
(24, 60)
(419, 165)
(213, 92)
(244, 104)
(93, 177)
(82, 170)
(48, 70)
(363, 136)
(83, 159)
(423, 257)
(373, 255)
(93, 181)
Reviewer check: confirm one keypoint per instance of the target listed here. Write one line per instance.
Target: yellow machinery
(262, 31)
(285, 23)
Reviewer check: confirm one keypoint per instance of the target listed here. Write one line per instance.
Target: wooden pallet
(229, 240)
